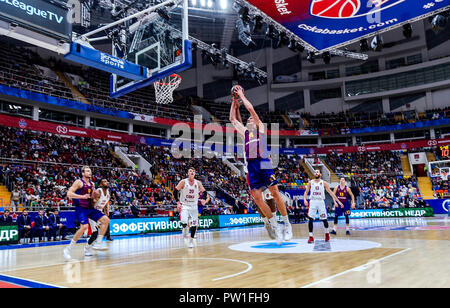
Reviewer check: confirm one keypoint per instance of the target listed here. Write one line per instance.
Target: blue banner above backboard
(331, 23)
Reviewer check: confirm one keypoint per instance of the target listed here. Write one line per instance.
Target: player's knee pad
(93, 237)
(193, 230)
(310, 224)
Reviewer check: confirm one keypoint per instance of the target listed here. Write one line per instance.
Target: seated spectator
(41, 226)
(5, 218)
(56, 226)
(25, 229)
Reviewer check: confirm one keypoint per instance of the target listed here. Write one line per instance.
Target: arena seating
(18, 68)
(377, 178)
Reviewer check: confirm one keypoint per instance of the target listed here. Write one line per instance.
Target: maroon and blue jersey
(86, 189)
(343, 196)
(83, 209)
(255, 143)
(260, 171)
(202, 196)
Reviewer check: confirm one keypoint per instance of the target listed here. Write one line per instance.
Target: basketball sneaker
(191, 243)
(67, 255)
(311, 240)
(279, 233)
(88, 251)
(327, 237)
(347, 232)
(333, 232)
(270, 231)
(99, 246)
(287, 230)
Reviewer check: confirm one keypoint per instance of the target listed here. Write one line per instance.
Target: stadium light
(438, 23)
(310, 57)
(407, 30)
(326, 57)
(210, 3)
(203, 3)
(223, 4)
(377, 43)
(364, 45)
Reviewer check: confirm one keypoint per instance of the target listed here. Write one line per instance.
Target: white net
(165, 87)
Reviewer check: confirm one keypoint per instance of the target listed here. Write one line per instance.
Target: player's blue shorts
(260, 174)
(84, 214)
(342, 211)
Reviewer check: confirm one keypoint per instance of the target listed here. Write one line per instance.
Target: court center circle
(301, 246)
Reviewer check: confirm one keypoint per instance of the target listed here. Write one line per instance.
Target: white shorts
(189, 214)
(317, 206)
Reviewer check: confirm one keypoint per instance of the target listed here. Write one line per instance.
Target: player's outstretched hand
(237, 92)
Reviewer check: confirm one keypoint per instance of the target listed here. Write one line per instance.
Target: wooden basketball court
(379, 253)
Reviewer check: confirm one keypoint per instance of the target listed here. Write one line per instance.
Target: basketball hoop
(165, 87)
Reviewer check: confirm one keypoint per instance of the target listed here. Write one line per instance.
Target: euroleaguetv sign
(48, 16)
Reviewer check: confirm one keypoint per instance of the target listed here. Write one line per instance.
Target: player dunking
(260, 174)
(342, 192)
(187, 195)
(317, 203)
(101, 202)
(81, 193)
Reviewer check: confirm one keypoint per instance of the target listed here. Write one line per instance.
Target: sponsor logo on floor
(301, 246)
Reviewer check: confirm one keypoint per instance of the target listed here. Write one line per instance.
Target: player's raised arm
(249, 107)
(75, 186)
(234, 120)
(238, 112)
(332, 194)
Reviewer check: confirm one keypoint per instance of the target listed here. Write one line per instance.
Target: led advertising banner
(333, 23)
(50, 17)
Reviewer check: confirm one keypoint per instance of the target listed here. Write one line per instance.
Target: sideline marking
(355, 269)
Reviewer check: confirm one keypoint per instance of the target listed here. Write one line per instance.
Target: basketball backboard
(159, 42)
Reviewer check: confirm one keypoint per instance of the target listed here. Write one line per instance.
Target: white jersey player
(101, 203)
(187, 194)
(317, 187)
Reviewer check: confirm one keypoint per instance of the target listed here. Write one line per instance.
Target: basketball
(234, 91)
(335, 8)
